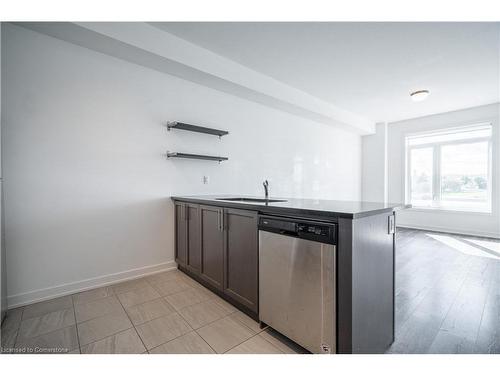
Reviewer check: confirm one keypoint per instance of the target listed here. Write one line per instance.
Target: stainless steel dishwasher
(297, 280)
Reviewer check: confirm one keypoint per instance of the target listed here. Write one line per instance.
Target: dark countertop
(307, 207)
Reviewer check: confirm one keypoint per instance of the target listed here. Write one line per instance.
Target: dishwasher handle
(278, 225)
(309, 230)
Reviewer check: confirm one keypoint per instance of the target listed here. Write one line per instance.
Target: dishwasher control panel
(315, 229)
(309, 230)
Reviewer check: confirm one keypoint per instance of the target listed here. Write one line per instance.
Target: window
(450, 169)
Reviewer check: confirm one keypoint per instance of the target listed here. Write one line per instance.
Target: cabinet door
(212, 245)
(241, 260)
(180, 233)
(3, 268)
(193, 238)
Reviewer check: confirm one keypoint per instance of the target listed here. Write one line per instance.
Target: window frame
(436, 167)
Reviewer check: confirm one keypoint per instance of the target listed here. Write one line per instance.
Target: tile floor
(160, 314)
(447, 301)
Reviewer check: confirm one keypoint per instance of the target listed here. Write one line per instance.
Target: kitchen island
(217, 244)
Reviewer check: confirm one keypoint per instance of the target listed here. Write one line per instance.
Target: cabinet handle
(391, 225)
(186, 216)
(225, 221)
(221, 215)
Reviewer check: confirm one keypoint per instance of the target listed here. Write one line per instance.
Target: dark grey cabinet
(366, 284)
(212, 245)
(193, 256)
(241, 257)
(220, 247)
(180, 233)
(187, 236)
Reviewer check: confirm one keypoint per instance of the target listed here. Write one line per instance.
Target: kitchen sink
(251, 200)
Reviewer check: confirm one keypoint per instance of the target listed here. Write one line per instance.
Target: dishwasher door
(297, 290)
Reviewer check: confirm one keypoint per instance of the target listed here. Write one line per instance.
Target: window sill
(450, 211)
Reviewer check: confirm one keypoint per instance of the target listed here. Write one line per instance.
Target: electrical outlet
(206, 180)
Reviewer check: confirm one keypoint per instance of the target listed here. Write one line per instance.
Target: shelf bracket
(171, 124)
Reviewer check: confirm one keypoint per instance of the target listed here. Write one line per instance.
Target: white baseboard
(82, 285)
(452, 231)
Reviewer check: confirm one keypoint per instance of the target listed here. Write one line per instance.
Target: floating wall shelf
(195, 156)
(195, 128)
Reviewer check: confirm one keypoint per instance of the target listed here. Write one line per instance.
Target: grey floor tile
(96, 308)
(127, 286)
(8, 339)
(103, 326)
(225, 334)
(190, 343)
(203, 313)
(283, 343)
(12, 319)
(164, 276)
(246, 320)
(226, 306)
(126, 342)
(161, 330)
(189, 297)
(60, 341)
(191, 282)
(93, 294)
(255, 345)
(137, 296)
(150, 310)
(40, 325)
(171, 286)
(42, 308)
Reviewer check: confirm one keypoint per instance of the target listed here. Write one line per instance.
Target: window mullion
(408, 196)
(490, 181)
(436, 183)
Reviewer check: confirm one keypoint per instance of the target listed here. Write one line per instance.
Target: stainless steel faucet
(266, 188)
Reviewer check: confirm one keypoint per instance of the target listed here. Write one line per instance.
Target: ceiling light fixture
(418, 96)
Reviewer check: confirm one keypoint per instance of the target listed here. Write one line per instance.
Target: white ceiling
(146, 45)
(366, 68)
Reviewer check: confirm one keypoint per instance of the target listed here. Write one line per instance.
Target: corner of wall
(374, 169)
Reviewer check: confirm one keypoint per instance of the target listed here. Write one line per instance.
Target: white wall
(374, 165)
(86, 187)
(448, 221)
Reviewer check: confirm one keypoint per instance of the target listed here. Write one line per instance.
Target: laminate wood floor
(447, 293)
(447, 301)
